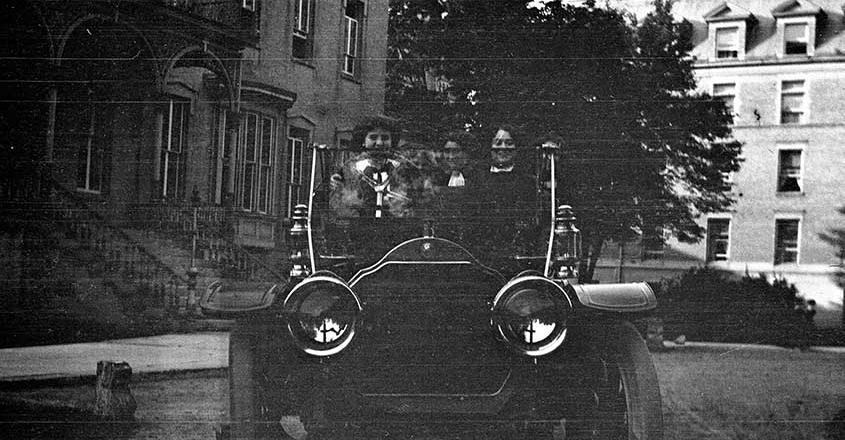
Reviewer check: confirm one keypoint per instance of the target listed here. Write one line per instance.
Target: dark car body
(388, 328)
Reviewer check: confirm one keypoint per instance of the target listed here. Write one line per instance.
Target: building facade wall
(758, 78)
(222, 64)
(324, 104)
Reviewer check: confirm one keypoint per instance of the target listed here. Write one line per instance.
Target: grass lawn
(750, 393)
(707, 394)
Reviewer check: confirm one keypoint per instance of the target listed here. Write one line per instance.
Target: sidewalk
(156, 354)
(726, 346)
(192, 351)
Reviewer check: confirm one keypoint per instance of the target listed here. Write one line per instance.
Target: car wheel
(615, 395)
(626, 391)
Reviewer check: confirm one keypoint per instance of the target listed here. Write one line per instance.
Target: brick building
(145, 124)
(781, 67)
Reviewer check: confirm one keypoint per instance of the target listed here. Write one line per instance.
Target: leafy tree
(413, 65)
(642, 149)
(836, 238)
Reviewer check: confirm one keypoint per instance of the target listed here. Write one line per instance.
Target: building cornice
(700, 65)
(276, 93)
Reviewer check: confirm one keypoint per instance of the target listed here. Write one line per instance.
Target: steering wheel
(379, 172)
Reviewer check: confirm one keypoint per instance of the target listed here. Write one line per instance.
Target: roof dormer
(797, 21)
(728, 26)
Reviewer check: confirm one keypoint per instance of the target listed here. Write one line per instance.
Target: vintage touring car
(418, 311)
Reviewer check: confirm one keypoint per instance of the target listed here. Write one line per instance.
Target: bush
(708, 305)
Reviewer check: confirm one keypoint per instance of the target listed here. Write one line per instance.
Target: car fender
(623, 297)
(230, 299)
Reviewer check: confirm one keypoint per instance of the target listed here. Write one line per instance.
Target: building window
(653, 244)
(718, 239)
(258, 153)
(298, 139)
(796, 38)
(303, 29)
(792, 102)
(789, 171)
(173, 146)
(344, 142)
(727, 93)
(249, 5)
(786, 240)
(727, 42)
(89, 174)
(353, 18)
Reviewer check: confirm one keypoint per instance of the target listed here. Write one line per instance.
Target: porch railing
(207, 231)
(123, 260)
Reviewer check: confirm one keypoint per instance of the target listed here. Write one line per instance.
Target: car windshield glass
(384, 184)
(369, 201)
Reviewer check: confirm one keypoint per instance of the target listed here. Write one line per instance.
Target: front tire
(627, 391)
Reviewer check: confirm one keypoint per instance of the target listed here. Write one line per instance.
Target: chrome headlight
(322, 314)
(530, 313)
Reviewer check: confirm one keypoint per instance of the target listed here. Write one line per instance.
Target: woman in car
(507, 195)
(368, 185)
(457, 183)
(459, 162)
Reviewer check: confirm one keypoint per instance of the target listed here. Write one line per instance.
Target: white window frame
(350, 50)
(803, 111)
(266, 167)
(92, 147)
(303, 29)
(295, 156)
(800, 148)
(805, 39)
(654, 253)
(709, 243)
(782, 22)
(797, 248)
(740, 39)
(168, 150)
(249, 5)
(262, 173)
(734, 94)
(221, 160)
(352, 35)
(302, 21)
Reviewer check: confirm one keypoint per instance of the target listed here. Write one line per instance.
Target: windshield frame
(324, 158)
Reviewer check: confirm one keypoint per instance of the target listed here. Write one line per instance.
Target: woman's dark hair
(372, 123)
(465, 139)
(514, 132)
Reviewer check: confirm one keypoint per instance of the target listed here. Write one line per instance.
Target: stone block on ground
(114, 399)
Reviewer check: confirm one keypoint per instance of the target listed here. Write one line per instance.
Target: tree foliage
(643, 150)
(836, 238)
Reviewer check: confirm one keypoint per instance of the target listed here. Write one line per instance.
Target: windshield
(384, 184)
(369, 201)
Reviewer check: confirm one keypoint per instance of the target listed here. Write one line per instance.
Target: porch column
(233, 123)
(158, 136)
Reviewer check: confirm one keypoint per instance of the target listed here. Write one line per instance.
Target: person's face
(454, 155)
(503, 149)
(377, 139)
